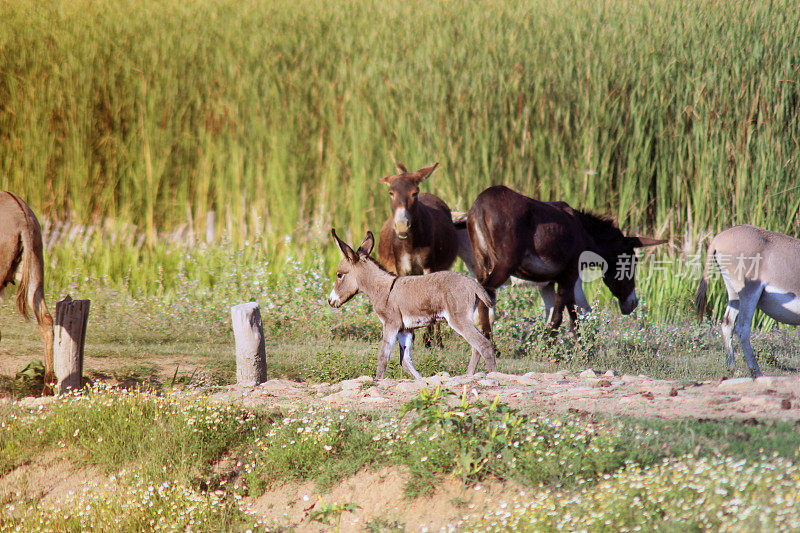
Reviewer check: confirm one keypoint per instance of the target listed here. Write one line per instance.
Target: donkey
(547, 289)
(418, 237)
(512, 234)
(759, 268)
(22, 263)
(404, 303)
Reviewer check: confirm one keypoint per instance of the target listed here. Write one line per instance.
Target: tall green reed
(677, 118)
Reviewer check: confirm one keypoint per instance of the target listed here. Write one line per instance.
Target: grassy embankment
(176, 460)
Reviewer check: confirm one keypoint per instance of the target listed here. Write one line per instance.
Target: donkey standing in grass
(547, 289)
(404, 303)
(761, 270)
(418, 237)
(22, 262)
(512, 234)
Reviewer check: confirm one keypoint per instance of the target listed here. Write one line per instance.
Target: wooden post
(251, 359)
(70, 337)
(211, 226)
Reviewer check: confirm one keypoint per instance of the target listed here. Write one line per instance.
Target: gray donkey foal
(405, 303)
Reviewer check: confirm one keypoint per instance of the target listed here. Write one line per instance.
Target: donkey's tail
(484, 296)
(487, 255)
(701, 300)
(31, 269)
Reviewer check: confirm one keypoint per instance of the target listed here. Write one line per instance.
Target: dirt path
(559, 392)
(381, 503)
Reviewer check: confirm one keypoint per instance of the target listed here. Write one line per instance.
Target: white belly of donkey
(780, 304)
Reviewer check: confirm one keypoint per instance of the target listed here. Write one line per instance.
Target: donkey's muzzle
(402, 230)
(334, 300)
(402, 223)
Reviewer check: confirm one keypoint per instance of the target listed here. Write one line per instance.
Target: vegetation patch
(679, 494)
(474, 441)
(164, 436)
(325, 445)
(127, 502)
(176, 460)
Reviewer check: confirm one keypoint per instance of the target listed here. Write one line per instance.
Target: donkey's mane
(601, 227)
(379, 265)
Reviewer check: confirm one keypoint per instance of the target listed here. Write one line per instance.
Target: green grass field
(677, 118)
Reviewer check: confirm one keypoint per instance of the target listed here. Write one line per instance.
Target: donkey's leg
(480, 345)
(475, 356)
(557, 316)
(406, 339)
(437, 334)
(728, 320)
(748, 301)
(491, 281)
(573, 319)
(432, 337)
(548, 293)
(565, 298)
(580, 298)
(45, 325)
(482, 320)
(387, 343)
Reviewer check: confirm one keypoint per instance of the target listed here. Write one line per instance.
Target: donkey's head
(349, 268)
(620, 277)
(403, 191)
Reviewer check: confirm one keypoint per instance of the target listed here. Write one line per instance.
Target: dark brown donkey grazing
(512, 234)
(22, 262)
(419, 236)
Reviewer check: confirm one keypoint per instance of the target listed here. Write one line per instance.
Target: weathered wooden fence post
(251, 359)
(70, 337)
(211, 227)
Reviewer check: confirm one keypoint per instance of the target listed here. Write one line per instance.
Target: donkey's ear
(640, 242)
(367, 244)
(400, 167)
(348, 252)
(424, 172)
(387, 180)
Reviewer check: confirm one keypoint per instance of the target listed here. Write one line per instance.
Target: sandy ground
(559, 392)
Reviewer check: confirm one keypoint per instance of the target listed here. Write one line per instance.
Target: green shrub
(684, 494)
(474, 440)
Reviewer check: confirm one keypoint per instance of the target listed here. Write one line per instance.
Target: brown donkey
(418, 237)
(512, 234)
(22, 262)
(404, 303)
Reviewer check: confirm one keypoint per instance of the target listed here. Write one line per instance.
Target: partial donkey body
(547, 289)
(406, 303)
(418, 237)
(22, 263)
(513, 235)
(761, 270)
